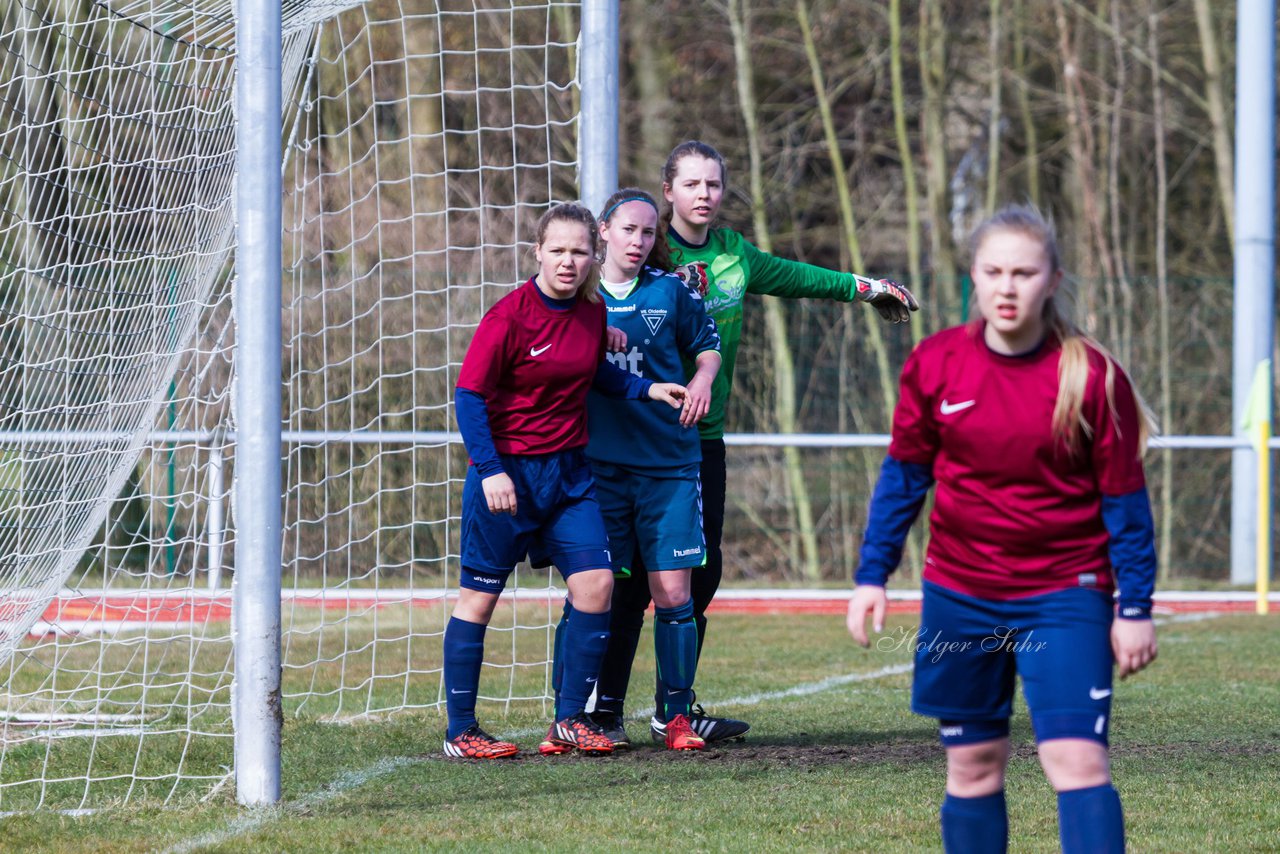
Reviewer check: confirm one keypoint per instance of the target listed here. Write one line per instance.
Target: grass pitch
(834, 761)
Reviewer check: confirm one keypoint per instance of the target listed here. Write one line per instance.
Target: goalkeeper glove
(694, 275)
(894, 302)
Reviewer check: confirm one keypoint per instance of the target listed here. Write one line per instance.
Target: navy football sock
(975, 825)
(557, 655)
(626, 623)
(463, 655)
(585, 638)
(1091, 820)
(675, 641)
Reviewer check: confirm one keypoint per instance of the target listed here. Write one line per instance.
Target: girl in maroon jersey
(521, 407)
(1033, 434)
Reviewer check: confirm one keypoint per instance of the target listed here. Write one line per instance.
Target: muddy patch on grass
(895, 751)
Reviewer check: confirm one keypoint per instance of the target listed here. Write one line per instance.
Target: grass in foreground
(834, 761)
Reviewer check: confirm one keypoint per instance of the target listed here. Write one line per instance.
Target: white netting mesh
(422, 139)
(428, 144)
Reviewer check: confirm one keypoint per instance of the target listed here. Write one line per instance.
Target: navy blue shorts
(968, 651)
(557, 516)
(656, 514)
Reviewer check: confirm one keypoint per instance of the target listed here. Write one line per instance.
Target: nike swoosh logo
(456, 691)
(949, 408)
(538, 351)
(1099, 693)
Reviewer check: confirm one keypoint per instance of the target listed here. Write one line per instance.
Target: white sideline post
(1255, 259)
(598, 114)
(257, 714)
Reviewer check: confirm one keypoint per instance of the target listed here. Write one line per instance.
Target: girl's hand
(669, 393)
(615, 340)
(867, 599)
(697, 401)
(500, 493)
(1133, 643)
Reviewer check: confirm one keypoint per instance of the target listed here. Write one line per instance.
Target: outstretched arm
(781, 277)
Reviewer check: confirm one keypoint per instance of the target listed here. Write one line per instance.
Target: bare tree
(904, 153)
(1223, 156)
(775, 318)
(1162, 285)
(933, 77)
(993, 121)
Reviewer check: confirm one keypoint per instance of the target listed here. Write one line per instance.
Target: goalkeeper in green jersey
(724, 267)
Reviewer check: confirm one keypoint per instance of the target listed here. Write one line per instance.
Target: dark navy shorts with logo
(968, 651)
(557, 515)
(653, 513)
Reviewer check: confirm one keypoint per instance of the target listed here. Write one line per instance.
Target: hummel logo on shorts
(951, 408)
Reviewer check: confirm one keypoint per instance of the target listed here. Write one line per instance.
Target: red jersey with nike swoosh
(533, 365)
(1014, 513)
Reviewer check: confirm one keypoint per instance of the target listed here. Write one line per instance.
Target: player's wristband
(1131, 611)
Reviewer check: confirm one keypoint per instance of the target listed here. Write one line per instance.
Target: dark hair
(688, 148)
(574, 212)
(660, 255)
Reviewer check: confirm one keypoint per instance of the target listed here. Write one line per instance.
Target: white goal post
(412, 149)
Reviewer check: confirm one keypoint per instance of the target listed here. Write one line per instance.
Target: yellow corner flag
(1257, 423)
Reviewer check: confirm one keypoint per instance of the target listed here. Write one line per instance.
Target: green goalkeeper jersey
(735, 268)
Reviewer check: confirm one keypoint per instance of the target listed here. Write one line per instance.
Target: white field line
(256, 818)
(72, 813)
(756, 699)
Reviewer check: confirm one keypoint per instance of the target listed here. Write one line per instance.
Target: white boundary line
(255, 818)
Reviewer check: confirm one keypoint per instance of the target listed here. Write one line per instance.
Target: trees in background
(872, 136)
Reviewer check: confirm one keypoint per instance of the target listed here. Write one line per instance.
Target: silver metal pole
(1255, 256)
(215, 515)
(598, 117)
(256, 588)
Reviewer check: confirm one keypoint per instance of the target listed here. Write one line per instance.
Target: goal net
(421, 141)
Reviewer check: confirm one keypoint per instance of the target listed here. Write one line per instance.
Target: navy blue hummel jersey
(665, 322)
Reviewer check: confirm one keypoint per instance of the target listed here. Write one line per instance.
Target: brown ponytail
(688, 148)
